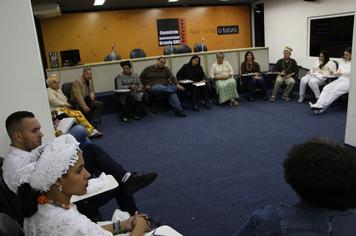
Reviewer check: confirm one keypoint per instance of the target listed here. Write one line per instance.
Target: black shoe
(207, 104)
(265, 98)
(250, 99)
(137, 182)
(180, 113)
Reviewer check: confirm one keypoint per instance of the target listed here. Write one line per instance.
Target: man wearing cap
(286, 69)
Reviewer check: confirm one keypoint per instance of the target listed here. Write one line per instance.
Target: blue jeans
(170, 91)
(252, 84)
(80, 134)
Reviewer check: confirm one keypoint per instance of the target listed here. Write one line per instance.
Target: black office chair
(67, 89)
(9, 227)
(184, 49)
(137, 53)
(167, 50)
(10, 204)
(200, 47)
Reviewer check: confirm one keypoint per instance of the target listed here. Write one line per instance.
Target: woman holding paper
(194, 71)
(132, 100)
(338, 87)
(223, 75)
(317, 75)
(48, 183)
(251, 72)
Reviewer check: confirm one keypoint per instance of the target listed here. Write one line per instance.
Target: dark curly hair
(323, 174)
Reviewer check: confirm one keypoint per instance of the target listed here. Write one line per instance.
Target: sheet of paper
(65, 124)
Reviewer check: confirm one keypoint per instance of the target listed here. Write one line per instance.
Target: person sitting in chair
(194, 71)
(132, 102)
(254, 79)
(323, 175)
(316, 76)
(25, 134)
(159, 80)
(223, 75)
(56, 173)
(59, 102)
(336, 88)
(287, 69)
(83, 97)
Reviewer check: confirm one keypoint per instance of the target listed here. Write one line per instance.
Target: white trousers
(332, 91)
(314, 82)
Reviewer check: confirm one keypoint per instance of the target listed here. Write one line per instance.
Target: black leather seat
(167, 50)
(137, 53)
(10, 204)
(184, 49)
(9, 227)
(67, 89)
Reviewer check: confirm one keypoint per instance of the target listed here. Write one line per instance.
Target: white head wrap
(54, 160)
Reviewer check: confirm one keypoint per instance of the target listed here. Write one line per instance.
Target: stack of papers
(200, 83)
(186, 81)
(122, 90)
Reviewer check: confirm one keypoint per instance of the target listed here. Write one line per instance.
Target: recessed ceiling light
(99, 2)
(173, 0)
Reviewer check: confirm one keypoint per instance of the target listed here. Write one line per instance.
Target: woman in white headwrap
(55, 174)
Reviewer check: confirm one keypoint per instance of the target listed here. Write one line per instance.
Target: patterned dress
(226, 89)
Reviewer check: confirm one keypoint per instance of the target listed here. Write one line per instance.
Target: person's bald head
(24, 130)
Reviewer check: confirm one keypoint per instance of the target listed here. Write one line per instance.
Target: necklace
(286, 66)
(249, 65)
(43, 199)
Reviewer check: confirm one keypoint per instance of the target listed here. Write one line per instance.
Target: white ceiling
(87, 5)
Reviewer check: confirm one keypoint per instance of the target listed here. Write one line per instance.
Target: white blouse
(56, 99)
(345, 69)
(51, 220)
(224, 69)
(330, 66)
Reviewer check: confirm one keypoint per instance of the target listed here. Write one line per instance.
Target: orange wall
(92, 33)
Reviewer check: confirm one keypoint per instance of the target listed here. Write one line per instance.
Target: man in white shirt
(25, 134)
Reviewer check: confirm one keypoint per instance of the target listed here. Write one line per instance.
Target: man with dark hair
(83, 97)
(324, 176)
(25, 134)
(158, 79)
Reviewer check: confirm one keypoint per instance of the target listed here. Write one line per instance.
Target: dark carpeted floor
(215, 166)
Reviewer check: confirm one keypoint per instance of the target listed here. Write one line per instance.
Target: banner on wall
(171, 32)
(228, 29)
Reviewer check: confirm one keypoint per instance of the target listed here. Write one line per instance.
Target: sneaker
(251, 99)
(137, 182)
(301, 99)
(315, 106)
(265, 98)
(180, 113)
(96, 134)
(272, 99)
